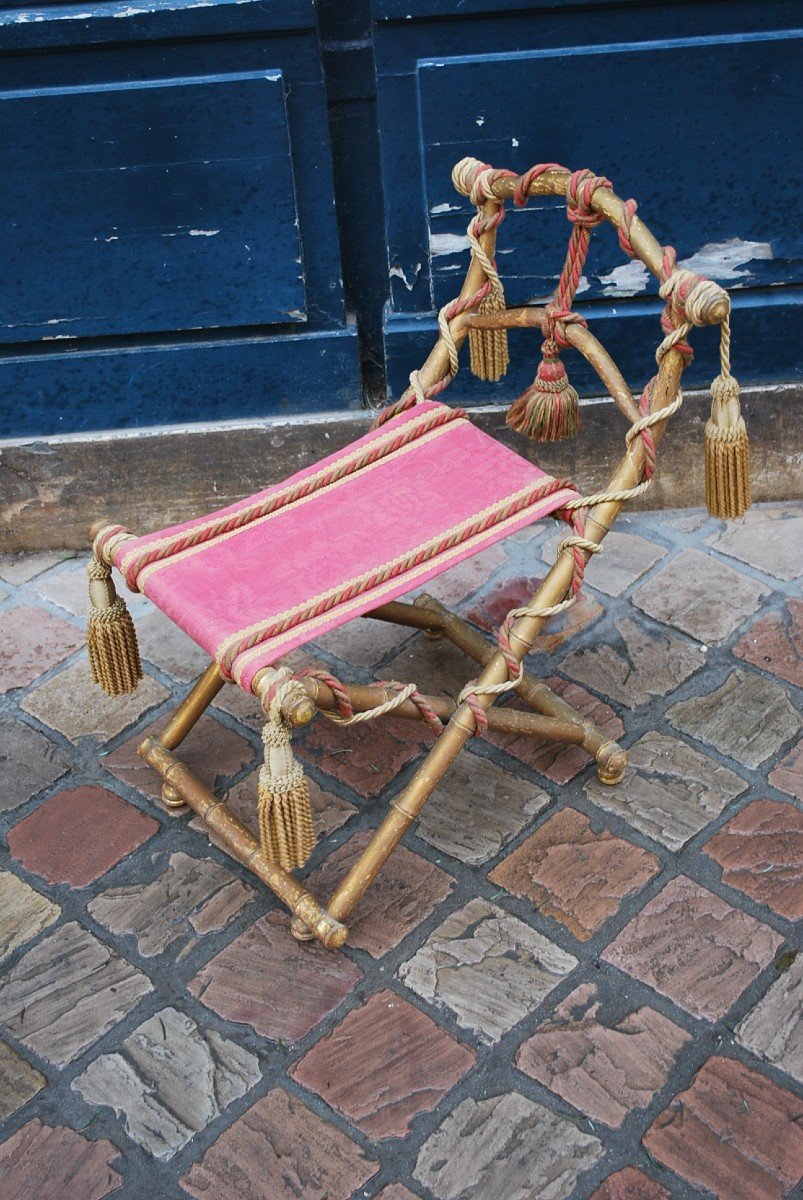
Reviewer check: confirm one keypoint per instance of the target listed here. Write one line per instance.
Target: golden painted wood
(192, 707)
(241, 844)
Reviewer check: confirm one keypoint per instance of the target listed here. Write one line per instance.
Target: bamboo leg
(242, 845)
(403, 812)
(192, 707)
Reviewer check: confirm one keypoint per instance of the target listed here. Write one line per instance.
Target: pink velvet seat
(406, 502)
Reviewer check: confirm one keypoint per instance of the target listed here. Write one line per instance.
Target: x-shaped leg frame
(552, 719)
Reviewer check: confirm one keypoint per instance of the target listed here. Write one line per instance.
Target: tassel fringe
(727, 453)
(114, 660)
(488, 347)
(286, 827)
(548, 411)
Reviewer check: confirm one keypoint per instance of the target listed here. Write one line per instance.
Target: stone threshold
(53, 488)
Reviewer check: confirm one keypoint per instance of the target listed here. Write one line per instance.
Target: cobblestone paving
(556, 990)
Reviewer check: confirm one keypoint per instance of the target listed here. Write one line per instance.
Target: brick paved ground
(556, 989)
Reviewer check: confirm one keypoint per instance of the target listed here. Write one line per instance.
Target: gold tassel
(111, 638)
(548, 411)
(488, 347)
(727, 452)
(285, 811)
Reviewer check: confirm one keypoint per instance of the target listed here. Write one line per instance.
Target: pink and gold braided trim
(238, 645)
(372, 450)
(246, 665)
(341, 480)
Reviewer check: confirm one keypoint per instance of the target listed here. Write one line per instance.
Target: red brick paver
(760, 851)
(279, 1150)
(490, 611)
(31, 642)
(733, 1132)
(79, 834)
(265, 978)
(214, 753)
(775, 643)
(53, 1163)
(558, 762)
(383, 1065)
(405, 892)
(604, 1067)
(630, 1184)
(364, 757)
(691, 946)
(573, 874)
(788, 775)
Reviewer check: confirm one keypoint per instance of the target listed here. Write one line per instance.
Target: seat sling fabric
(407, 501)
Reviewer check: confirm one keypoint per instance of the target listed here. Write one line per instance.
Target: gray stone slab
(774, 1028)
(363, 643)
(670, 790)
(20, 568)
(193, 896)
(19, 1081)
(702, 596)
(68, 588)
(24, 913)
(66, 992)
(624, 559)
(162, 643)
(477, 809)
(435, 665)
(768, 537)
(648, 664)
(488, 967)
(71, 703)
(169, 1080)
(505, 1146)
(29, 763)
(748, 718)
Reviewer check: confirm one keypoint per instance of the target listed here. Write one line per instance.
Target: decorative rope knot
(286, 827)
(558, 317)
(476, 179)
(521, 189)
(691, 296)
(579, 193)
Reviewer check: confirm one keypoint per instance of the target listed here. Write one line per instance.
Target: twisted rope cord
(687, 297)
(348, 464)
(477, 183)
(335, 686)
(283, 686)
(574, 512)
(254, 635)
(624, 230)
(346, 714)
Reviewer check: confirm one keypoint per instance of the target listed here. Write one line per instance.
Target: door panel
(143, 222)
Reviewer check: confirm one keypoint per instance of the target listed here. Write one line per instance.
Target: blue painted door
(169, 242)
